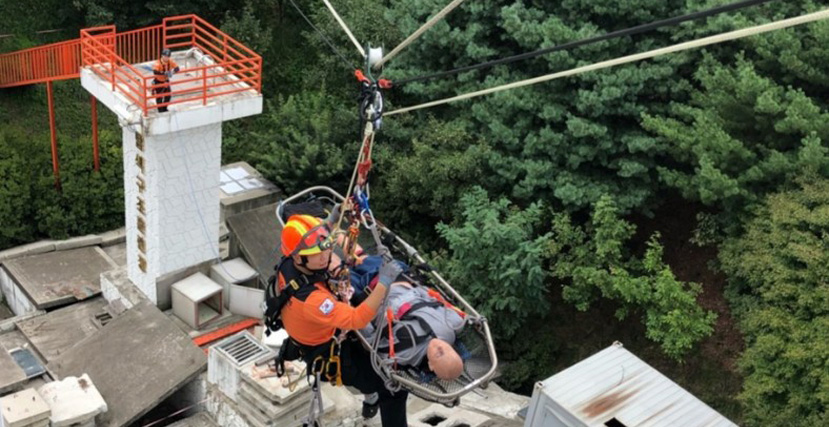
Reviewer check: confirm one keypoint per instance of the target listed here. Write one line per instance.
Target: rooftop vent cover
(28, 362)
(101, 319)
(242, 348)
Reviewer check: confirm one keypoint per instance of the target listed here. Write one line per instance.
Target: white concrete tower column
(172, 163)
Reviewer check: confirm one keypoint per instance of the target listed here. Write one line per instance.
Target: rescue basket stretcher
(474, 343)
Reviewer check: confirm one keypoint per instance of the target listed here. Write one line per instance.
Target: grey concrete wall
(15, 298)
(223, 410)
(223, 373)
(188, 400)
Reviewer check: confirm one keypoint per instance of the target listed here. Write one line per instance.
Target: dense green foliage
(498, 260)
(539, 191)
(743, 134)
(595, 262)
(88, 202)
(779, 274)
(295, 142)
(568, 140)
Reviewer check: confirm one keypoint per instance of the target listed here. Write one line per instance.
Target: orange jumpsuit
(314, 321)
(160, 71)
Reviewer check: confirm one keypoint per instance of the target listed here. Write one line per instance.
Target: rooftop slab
(615, 384)
(136, 361)
(58, 331)
(118, 253)
(257, 234)
(58, 278)
(244, 188)
(11, 375)
(24, 408)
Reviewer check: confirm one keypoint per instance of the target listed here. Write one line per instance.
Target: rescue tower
(172, 159)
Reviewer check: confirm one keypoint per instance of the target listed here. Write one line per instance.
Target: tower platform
(172, 159)
(220, 79)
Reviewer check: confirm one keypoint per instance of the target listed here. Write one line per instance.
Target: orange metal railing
(57, 61)
(62, 61)
(231, 67)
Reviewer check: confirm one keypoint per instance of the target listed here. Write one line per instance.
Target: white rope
(733, 35)
(425, 27)
(345, 28)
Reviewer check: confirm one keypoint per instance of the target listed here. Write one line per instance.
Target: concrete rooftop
(58, 331)
(136, 361)
(59, 278)
(11, 375)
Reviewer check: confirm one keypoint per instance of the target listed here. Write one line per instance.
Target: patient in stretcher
(424, 329)
(424, 326)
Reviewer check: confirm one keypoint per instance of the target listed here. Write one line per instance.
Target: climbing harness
(297, 285)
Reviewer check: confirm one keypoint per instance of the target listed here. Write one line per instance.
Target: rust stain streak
(607, 402)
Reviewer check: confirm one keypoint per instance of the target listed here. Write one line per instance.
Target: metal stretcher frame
(475, 319)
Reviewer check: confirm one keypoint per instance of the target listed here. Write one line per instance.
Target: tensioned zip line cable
(425, 27)
(578, 43)
(733, 35)
(324, 38)
(345, 27)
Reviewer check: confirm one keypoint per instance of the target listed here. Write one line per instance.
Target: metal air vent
(101, 319)
(242, 348)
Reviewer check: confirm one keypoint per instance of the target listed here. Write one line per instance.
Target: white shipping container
(614, 388)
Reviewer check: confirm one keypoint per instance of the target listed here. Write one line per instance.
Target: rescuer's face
(319, 261)
(165, 59)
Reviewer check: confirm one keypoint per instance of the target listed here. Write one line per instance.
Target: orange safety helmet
(304, 235)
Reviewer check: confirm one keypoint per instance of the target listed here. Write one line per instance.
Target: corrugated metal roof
(614, 383)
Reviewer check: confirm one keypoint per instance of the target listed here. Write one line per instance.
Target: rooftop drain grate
(242, 348)
(101, 319)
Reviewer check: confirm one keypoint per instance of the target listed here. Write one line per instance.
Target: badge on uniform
(327, 306)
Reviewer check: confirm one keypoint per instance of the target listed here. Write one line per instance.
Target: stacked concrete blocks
(25, 409)
(270, 401)
(254, 395)
(73, 401)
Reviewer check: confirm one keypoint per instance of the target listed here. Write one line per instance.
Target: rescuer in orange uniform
(313, 314)
(163, 70)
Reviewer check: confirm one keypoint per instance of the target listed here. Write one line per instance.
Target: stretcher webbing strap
(390, 318)
(436, 295)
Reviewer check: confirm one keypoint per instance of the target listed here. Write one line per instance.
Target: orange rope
(390, 317)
